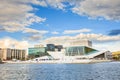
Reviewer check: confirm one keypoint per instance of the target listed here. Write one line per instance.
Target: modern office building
(9, 54)
(37, 52)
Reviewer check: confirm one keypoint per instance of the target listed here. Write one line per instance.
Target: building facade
(1, 54)
(78, 51)
(50, 47)
(36, 52)
(9, 54)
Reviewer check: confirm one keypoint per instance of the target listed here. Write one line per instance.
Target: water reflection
(99, 71)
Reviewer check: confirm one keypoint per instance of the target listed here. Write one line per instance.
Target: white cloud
(76, 31)
(92, 8)
(108, 9)
(17, 14)
(55, 32)
(111, 46)
(30, 30)
(38, 2)
(56, 3)
(35, 37)
(58, 40)
(12, 43)
(14, 18)
(109, 38)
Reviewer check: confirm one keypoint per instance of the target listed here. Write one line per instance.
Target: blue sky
(48, 21)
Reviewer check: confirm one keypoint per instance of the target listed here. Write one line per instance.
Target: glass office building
(37, 52)
(78, 51)
(50, 47)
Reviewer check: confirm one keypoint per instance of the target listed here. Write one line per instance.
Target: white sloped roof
(96, 54)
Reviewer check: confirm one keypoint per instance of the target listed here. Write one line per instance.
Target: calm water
(98, 71)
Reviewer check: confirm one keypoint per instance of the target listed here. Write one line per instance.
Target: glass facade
(89, 50)
(78, 50)
(50, 47)
(37, 52)
(59, 47)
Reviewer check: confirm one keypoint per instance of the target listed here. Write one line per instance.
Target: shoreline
(57, 62)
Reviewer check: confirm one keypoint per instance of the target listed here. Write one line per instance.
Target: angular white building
(80, 50)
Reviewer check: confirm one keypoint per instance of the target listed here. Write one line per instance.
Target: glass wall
(50, 47)
(78, 50)
(74, 51)
(89, 50)
(37, 52)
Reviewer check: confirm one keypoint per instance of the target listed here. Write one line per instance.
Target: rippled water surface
(98, 71)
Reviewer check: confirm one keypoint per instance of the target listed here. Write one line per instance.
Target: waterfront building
(76, 51)
(1, 54)
(36, 52)
(9, 54)
(84, 52)
(80, 49)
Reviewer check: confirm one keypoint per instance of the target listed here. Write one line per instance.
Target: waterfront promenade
(59, 61)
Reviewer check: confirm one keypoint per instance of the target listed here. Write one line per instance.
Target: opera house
(75, 52)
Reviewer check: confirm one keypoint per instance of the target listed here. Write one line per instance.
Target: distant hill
(116, 53)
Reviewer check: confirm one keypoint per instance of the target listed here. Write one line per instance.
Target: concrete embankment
(59, 61)
(98, 61)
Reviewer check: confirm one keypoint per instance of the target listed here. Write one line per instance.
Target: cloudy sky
(24, 23)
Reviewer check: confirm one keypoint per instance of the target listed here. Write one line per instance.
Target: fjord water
(96, 71)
